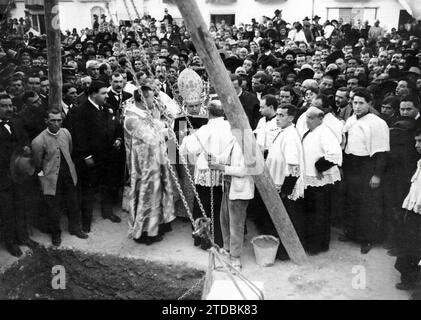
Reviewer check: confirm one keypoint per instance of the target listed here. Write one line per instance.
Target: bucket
(265, 248)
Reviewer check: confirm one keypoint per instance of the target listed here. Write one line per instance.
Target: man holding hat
(13, 144)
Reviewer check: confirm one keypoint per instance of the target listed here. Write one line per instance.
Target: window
(229, 18)
(352, 14)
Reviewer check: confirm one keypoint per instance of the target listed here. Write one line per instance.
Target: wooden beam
(234, 111)
(52, 27)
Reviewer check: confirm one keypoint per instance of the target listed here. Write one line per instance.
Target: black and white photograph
(193, 151)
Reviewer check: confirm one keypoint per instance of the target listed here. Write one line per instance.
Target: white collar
(115, 92)
(53, 134)
(417, 117)
(94, 104)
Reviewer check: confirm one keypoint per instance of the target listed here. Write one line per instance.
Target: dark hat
(289, 52)
(386, 87)
(185, 57)
(304, 74)
(168, 60)
(103, 15)
(232, 63)
(334, 56)
(333, 73)
(21, 166)
(316, 17)
(306, 19)
(277, 11)
(95, 16)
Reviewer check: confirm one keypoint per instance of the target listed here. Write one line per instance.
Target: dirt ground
(94, 276)
(331, 275)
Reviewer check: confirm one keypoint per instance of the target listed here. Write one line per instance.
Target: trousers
(233, 218)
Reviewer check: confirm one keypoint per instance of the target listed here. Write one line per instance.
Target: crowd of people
(334, 107)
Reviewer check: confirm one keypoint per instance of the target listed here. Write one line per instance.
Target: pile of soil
(92, 276)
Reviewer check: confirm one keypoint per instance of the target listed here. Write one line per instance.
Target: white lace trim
(330, 178)
(209, 178)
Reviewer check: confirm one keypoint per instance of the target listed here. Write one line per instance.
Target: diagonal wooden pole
(218, 75)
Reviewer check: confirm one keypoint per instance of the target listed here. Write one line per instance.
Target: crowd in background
(322, 79)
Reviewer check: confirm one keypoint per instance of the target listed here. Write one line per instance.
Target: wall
(245, 10)
(77, 14)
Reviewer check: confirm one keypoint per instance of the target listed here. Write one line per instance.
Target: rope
(135, 9)
(9, 4)
(127, 9)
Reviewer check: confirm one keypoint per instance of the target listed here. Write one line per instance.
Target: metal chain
(178, 186)
(212, 213)
(188, 292)
(191, 180)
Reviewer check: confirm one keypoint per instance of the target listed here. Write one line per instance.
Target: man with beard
(259, 84)
(150, 198)
(266, 57)
(342, 108)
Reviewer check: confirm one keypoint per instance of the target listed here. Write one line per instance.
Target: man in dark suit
(12, 138)
(266, 57)
(116, 96)
(249, 101)
(97, 140)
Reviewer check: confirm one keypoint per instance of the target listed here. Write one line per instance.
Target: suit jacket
(112, 101)
(166, 88)
(267, 60)
(46, 154)
(251, 106)
(9, 142)
(94, 132)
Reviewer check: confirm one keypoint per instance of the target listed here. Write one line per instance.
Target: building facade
(79, 13)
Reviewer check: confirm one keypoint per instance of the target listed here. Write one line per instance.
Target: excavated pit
(96, 276)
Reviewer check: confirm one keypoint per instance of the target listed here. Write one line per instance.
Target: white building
(79, 13)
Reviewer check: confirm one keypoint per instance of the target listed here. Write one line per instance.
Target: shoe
(406, 286)
(14, 249)
(197, 241)
(113, 218)
(86, 229)
(79, 234)
(366, 247)
(29, 243)
(236, 263)
(56, 240)
(148, 240)
(164, 228)
(205, 244)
